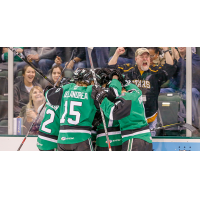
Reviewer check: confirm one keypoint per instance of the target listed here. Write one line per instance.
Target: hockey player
(49, 129)
(147, 78)
(128, 109)
(114, 133)
(77, 111)
(50, 125)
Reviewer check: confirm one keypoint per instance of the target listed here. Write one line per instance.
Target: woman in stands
(22, 89)
(53, 75)
(30, 111)
(156, 57)
(56, 72)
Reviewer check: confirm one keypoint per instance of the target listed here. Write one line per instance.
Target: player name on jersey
(77, 95)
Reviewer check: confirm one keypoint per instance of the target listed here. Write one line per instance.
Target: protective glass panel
(3, 90)
(28, 89)
(196, 90)
(160, 77)
(172, 98)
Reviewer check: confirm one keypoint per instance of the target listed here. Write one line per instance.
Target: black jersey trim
(127, 132)
(65, 127)
(48, 136)
(109, 129)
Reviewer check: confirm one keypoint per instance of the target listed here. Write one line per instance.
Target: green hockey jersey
(49, 128)
(128, 108)
(114, 133)
(112, 126)
(77, 111)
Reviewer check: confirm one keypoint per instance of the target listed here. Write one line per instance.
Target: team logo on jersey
(142, 83)
(64, 138)
(118, 140)
(39, 144)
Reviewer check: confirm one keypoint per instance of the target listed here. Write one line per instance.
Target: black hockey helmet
(78, 76)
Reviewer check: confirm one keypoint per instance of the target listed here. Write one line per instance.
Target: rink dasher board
(176, 144)
(12, 142)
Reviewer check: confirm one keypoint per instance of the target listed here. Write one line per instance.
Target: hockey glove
(97, 119)
(106, 71)
(94, 92)
(111, 94)
(98, 94)
(117, 73)
(125, 80)
(103, 75)
(97, 74)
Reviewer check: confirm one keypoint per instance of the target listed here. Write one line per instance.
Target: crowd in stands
(28, 87)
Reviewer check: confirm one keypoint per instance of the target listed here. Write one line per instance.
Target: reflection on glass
(29, 112)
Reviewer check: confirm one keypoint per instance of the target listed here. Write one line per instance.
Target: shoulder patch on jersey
(58, 90)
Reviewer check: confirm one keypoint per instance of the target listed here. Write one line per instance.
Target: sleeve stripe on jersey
(109, 133)
(116, 92)
(75, 131)
(46, 97)
(46, 138)
(111, 113)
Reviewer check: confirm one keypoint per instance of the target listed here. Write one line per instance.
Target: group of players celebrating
(73, 121)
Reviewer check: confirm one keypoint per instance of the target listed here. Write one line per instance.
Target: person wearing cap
(147, 78)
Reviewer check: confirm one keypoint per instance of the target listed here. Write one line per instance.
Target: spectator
(178, 81)
(127, 57)
(148, 80)
(55, 73)
(22, 89)
(29, 112)
(155, 56)
(78, 61)
(42, 58)
(100, 57)
(4, 57)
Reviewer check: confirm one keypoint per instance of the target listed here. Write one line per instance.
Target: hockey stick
(31, 127)
(29, 63)
(44, 103)
(188, 126)
(96, 85)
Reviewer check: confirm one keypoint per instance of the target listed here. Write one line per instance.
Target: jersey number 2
(49, 121)
(72, 112)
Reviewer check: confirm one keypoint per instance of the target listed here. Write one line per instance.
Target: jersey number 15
(71, 112)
